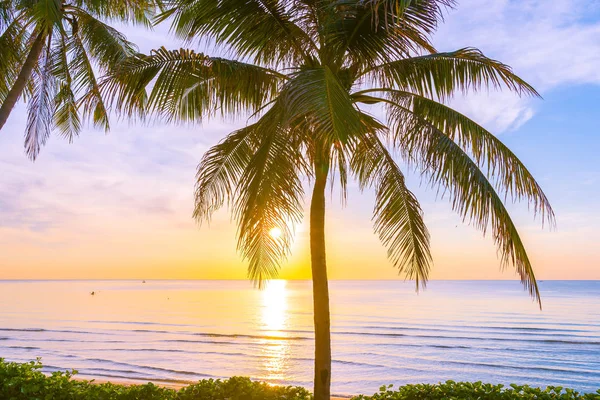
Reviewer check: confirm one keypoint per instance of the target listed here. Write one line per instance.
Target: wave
(145, 367)
(454, 328)
(219, 342)
(136, 323)
(526, 368)
(195, 341)
(304, 338)
(22, 330)
(52, 331)
(358, 363)
(147, 350)
(265, 337)
(78, 340)
(398, 335)
(120, 374)
(226, 335)
(134, 368)
(410, 334)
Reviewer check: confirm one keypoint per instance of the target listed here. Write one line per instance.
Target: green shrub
(451, 390)
(27, 382)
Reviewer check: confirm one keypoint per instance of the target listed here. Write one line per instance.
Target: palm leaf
(398, 218)
(362, 35)
(316, 97)
(84, 79)
(512, 178)
(13, 42)
(66, 116)
(189, 85)
(220, 170)
(47, 14)
(257, 169)
(260, 29)
(269, 194)
(41, 106)
(423, 15)
(136, 11)
(443, 74)
(471, 193)
(104, 44)
(7, 11)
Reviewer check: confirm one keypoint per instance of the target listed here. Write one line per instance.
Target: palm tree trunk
(21, 82)
(322, 380)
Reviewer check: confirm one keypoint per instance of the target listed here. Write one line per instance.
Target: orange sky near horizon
(152, 247)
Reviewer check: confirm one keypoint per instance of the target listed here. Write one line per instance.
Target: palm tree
(50, 51)
(304, 74)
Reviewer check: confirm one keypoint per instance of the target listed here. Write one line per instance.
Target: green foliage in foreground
(476, 390)
(26, 382)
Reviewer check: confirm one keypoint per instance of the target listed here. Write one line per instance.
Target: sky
(119, 205)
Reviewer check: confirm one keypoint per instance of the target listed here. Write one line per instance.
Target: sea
(384, 332)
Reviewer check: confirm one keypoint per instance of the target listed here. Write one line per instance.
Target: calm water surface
(382, 331)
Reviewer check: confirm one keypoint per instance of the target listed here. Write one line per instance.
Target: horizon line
(281, 279)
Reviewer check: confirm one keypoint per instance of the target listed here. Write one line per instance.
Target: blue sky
(119, 205)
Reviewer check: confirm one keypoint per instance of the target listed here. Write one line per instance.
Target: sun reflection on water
(274, 319)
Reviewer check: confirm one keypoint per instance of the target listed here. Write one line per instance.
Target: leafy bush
(451, 390)
(27, 382)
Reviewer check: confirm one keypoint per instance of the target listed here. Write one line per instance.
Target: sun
(275, 233)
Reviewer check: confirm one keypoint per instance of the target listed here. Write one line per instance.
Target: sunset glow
(275, 233)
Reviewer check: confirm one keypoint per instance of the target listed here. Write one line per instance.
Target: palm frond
(339, 169)
(444, 74)
(66, 116)
(135, 11)
(397, 216)
(269, 194)
(256, 170)
(85, 81)
(509, 174)
(363, 36)
(471, 193)
(7, 11)
(220, 170)
(104, 44)
(13, 41)
(190, 86)
(263, 30)
(316, 97)
(47, 14)
(423, 15)
(41, 106)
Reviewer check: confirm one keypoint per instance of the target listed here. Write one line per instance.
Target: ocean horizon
(382, 331)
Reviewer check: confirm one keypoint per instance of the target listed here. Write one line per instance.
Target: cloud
(134, 171)
(497, 111)
(549, 45)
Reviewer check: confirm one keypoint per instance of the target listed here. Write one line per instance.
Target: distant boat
(143, 281)
(93, 293)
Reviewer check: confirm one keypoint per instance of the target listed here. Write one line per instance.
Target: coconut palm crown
(304, 73)
(51, 52)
